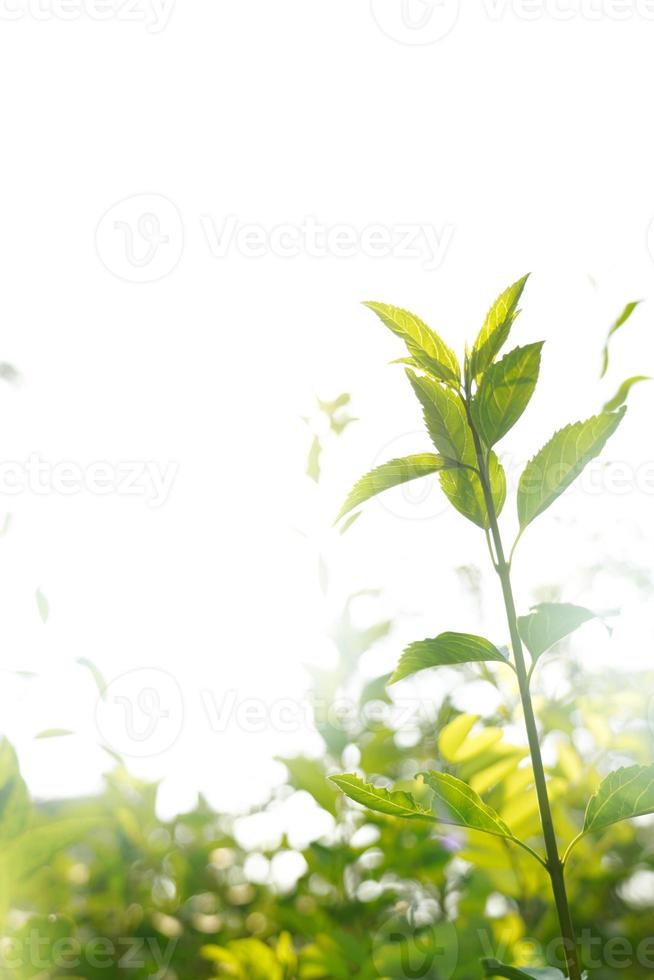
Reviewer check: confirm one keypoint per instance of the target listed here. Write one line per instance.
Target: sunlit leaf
(14, 799)
(454, 734)
(462, 806)
(622, 319)
(347, 524)
(463, 489)
(622, 393)
(550, 622)
(496, 328)
(447, 649)
(445, 419)
(561, 461)
(313, 460)
(396, 803)
(624, 794)
(96, 674)
(54, 733)
(424, 345)
(391, 474)
(505, 391)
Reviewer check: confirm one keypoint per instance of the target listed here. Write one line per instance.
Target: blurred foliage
(103, 887)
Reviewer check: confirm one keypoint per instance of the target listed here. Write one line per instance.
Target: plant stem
(554, 864)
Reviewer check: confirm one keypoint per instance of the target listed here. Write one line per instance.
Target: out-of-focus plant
(467, 412)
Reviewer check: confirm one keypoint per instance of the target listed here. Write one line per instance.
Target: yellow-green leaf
(424, 345)
(561, 461)
(504, 393)
(462, 806)
(550, 622)
(445, 419)
(622, 393)
(464, 491)
(496, 328)
(447, 649)
(396, 803)
(624, 794)
(622, 319)
(392, 474)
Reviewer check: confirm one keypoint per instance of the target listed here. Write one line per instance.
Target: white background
(522, 138)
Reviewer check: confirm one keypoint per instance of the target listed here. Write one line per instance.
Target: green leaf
(464, 490)
(313, 460)
(424, 345)
(622, 393)
(396, 803)
(464, 807)
(392, 474)
(622, 319)
(549, 622)
(14, 798)
(493, 968)
(54, 733)
(445, 650)
(496, 328)
(624, 794)
(505, 391)
(560, 462)
(96, 674)
(445, 418)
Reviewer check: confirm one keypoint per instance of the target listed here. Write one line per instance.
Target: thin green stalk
(554, 863)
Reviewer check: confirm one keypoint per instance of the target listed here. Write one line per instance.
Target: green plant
(466, 414)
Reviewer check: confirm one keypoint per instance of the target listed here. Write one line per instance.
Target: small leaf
(395, 803)
(42, 605)
(560, 462)
(622, 393)
(622, 319)
(392, 474)
(496, 328)
(549, 622)
(505, 391)
(100, 682)
(445, 650)
(424, 345)
(463, 806)
(313, 460)
(346, 525)
(54, 733)
(624, 794)
(445, 419)
(493, 968)
(463, 489)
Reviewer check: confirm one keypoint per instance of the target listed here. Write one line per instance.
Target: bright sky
(192, 213)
